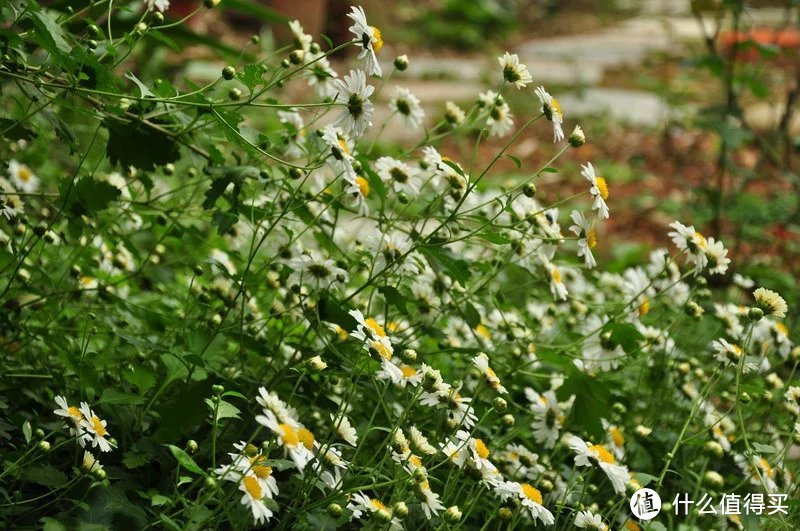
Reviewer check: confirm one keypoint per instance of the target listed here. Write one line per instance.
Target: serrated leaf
(13, 130)
(444, 261)
(135, 144)
(185, 460)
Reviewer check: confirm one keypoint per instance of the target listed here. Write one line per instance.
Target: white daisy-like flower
(22, 177)
(692, 242)
(295, 441)
(420, 442)
(407, 105)
(295, 132)
(90, 464)
(429, 500)
(514, 71)
(587, 237)
(589, 520)
(368, 38)
(399, 175)
(552, 111)
(599, 190)
(530, 497)
(339, 156)
(727, 353)
(770, 302)
(253, 498)
(320, 75)
(717, 257)
(95, 428)
(597, 454)
(481, 361)
(557, 286)
(315, 271)
(346, 430)
(301, 40)
(360, 503)
(160, 5)
(354, 93)
(499, 119)
(453, 114)
(74, 415)
(249, 461)
(548, 416)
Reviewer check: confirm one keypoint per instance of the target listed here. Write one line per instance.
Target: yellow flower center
(98, 427)
(617, 437)
(602, 454)
(408, 372)
(556, 107)
(482, 331)
(375, 328)
(644, 307)
(630, 525)
(75, 413)
(531, 492)
(394, 326)
(252, 487)
(251, 450)
(701, 240)
(416, 461)
(306, 437)
(481, 449)
(342, 333)
(782, 329)
(556, 275)
(289, 436)
(382, 349)
(343, 145)
(591, 238)
(24, 174)
(363, 186)
(765, 466)
(602, 187)
(377, 39)
(262, 472)
(378, 505)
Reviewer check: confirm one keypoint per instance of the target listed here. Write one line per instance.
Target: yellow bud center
(591, 238)
(75, 413)
(482, 331)
(408, 372)
(306, 437)
(556, 275)
(363, 186)
(98, 427)
(378, 505)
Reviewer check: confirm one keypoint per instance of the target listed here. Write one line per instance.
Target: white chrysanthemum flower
(717, 257)
(597, 454)
(339, 156)
(557, 286)
(90, 464)
(160, 5)
(453, 114)
(587, 237)
(312, 269)
(253, 498)
(295, 441)
(368, 38)
(552, 111)
(514, 71)
(548, 416)
(770, 302)
(95, 428)
(354, 93)
(407, 105)
(320, 75)
(792, 399)
(346, 430)
(429, 500)
(689, 240)
(420, 442)
(360, 503)
(22, 177)
(301, 40)
(591, 521)
(499, 119)
(75, 417)
(481, 361)
(398, 175)
(295, 132)
(598, 189)
(530, 497)
(727, 353)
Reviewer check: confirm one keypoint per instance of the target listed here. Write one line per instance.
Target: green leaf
(548, 169)
(135, 144)
(592, 401)
(444, 261)
(471, 315)
(185, 460)
(764, 448)
(45, 475)
(257, 10)
(644, 479)
(119, 398)
(87, 195)
(225, 410)
(50, 35)
(144, 92)
(13, 130)
(627, 336)
(516, 160)
(251, 75)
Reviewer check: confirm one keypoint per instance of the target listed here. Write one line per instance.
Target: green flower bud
(529, 189)
(296, 57)
(191, 446)
(401, 62)
(400, 509)
(335, 510)
(755, 314)
(713, 449)
(499, 404)
(505, 513)
(235, 94)
(452, 515)
(228, 72)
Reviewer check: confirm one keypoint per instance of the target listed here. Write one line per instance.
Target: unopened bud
(401, 62)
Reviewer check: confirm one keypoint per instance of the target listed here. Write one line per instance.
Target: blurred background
(689, 107)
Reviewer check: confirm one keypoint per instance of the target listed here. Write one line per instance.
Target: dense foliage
(229, 304)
